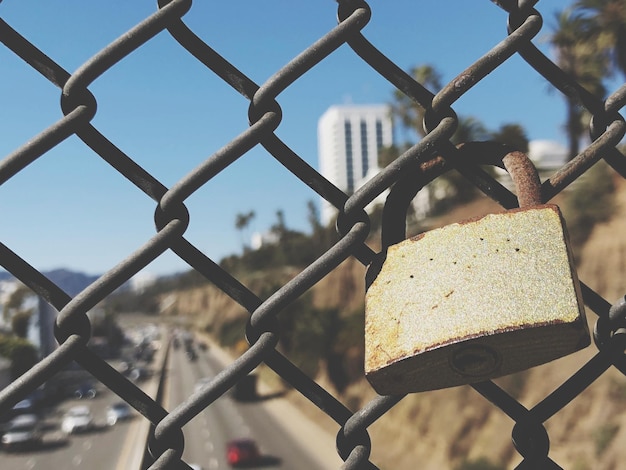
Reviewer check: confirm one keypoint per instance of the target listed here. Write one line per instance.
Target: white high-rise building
(349, 138)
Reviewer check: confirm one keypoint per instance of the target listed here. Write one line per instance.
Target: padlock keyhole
(475, 361)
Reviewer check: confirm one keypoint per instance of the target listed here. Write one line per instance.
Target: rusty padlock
(475, 300)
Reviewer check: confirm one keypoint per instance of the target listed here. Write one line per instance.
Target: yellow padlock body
(472, 301)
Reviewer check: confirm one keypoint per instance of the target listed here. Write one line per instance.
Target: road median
(135, 450)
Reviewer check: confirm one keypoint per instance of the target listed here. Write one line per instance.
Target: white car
(118, 412)
(21, 432)
(77, 419)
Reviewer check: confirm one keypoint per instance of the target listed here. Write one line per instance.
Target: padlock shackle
(525, 177)
(393, 223)
(523, 173)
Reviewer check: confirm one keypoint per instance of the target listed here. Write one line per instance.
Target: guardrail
(135, 454)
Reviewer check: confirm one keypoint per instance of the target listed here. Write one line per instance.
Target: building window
(349, 163)
(364, 152)
(379, 134)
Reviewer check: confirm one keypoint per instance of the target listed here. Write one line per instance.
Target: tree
(513, 135)
(319, 240)
(241, 223)
(591, 201)
(19, 323)
(387, 155)
(20, 352)
(469, 129)
(581, 56)
(410, 113)
(457, 188)
(451, 188)
(15, 301)
(280, 227)
(313, 217)
(607, 27)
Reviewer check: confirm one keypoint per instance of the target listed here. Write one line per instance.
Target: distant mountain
(70, 281)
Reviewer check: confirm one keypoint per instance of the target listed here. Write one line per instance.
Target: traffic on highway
(236, 431)
(88, 426)
(74, 421)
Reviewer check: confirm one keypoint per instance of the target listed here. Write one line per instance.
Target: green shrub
(20, 352)
(590, 201)
(233, 332)
(603, 436)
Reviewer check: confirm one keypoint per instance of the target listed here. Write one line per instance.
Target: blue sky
(169, 113)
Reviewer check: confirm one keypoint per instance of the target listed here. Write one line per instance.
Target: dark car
(137, 374)
(242, 452)
(85, 390)
(191, 354)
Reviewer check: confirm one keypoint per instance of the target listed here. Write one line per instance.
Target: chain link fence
(72, 328)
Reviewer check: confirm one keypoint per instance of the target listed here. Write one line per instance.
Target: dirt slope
(439, 430)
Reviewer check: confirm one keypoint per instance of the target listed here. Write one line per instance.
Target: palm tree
(607, 22)
(513, 135)
(241, 223)
(411, 114)
(469, 129)
(580, 55)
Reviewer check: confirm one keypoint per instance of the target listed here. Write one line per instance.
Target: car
(240, 452)
(191, 354)
(77, 419)
(118, 411)
(138, 373)
(126, 365)
(85, 390)
(25, 406)
(22, 432)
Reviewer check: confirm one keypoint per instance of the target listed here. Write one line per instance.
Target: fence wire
(172, 218)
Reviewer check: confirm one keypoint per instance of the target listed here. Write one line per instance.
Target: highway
(207, 434)
(286, 439)
(102, 448)
(96, 449)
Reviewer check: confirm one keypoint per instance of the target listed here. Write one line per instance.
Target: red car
(241, 452)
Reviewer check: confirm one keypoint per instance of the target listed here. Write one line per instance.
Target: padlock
(475, 300)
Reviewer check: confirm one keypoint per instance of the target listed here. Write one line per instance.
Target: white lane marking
(213, 463)
(30, 463)
(87, 444)
(77, 460)
(209, 447)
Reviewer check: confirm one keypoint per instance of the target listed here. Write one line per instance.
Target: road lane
(95, 450)
(206, 435)
(104, 448)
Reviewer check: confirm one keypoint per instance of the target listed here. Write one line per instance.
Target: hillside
(446, 428)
